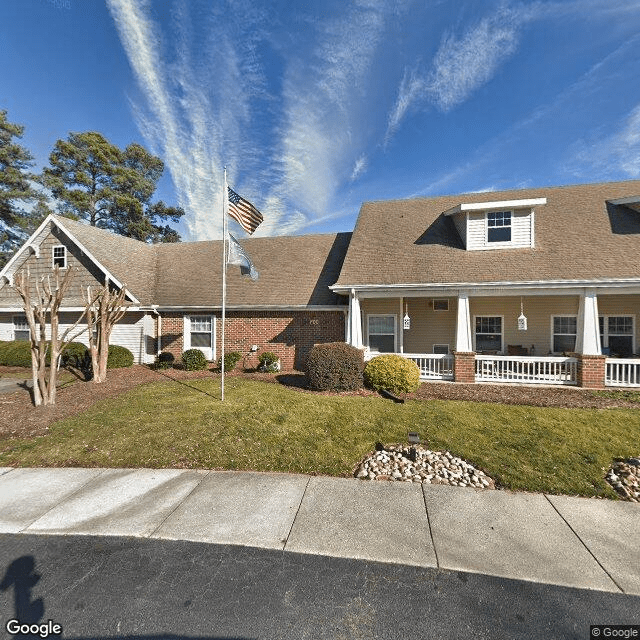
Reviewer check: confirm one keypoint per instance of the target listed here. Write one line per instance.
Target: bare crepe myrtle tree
(41, 301)
(103, 310)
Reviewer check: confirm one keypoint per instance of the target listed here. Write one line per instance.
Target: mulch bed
(19, 418)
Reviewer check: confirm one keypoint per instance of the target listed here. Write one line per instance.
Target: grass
(268, 427)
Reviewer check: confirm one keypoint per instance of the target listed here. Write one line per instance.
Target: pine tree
(16, 189)
(109, 187)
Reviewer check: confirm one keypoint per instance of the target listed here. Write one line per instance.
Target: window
(564, 333)
(441, 349)
(616, 334)
(60, 257)
(441, 305)
(499, 226)
(488, 333)
(20, 328)
(200, 332)
(382, 333)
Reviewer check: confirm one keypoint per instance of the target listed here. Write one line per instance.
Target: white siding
(521, 231)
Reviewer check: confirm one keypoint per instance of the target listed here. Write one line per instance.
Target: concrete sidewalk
(576, 542)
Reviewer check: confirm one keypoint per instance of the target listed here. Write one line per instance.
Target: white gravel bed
(417, 464)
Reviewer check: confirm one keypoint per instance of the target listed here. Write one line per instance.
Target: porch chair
(517, 350)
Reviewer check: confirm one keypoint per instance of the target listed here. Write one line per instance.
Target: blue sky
(317, 107)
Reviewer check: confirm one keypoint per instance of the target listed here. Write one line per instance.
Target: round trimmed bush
(335, 366)
(119, 357)
(231, 359)
(392, 373)
(165, 360)
(194, 360)
(269, 362)
(76, 355)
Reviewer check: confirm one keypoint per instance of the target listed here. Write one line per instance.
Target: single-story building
(531, 286)
(175, 291)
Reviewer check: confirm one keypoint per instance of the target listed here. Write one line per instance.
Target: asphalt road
(103, 587)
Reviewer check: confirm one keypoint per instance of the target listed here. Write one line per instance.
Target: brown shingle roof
(294, 270)
(578, 236)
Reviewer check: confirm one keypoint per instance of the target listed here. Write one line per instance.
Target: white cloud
(613, 154)
(462, 65)
(359, 167)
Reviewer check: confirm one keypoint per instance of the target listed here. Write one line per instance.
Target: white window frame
(488, 315)
(500, 243)
(20, 324)
(54, 257)
(553, 333)
(604, 336)
(210, 353)
(395, 330)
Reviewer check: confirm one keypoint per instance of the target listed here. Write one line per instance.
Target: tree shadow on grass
(295, 380)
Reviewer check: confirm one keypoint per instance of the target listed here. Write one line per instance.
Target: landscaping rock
(624, 477)
(417, 464)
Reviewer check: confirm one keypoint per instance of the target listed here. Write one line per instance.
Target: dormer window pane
(499, 226)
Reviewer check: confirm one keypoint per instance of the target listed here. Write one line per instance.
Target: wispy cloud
(462, 64)
(611, 154)
(194, 112)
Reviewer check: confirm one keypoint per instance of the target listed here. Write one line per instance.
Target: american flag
(243, 212)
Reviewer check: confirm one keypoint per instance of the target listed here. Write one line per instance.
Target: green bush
(269, 362)
(76, 355)
(393, 373)
(165, 360)
(194, 360)
(335, 366)
(231, 359)
(119, 357)
(17, 353)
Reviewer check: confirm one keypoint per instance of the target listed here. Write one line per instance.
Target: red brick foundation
(591, 371)
(288, 334)
(464, 367)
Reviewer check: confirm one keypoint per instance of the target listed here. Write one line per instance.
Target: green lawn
(269, 427)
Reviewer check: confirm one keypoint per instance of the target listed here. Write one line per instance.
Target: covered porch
(567, 335)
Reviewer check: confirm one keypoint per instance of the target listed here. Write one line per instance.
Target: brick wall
(464, 367)
(591, 371)
(288, 334)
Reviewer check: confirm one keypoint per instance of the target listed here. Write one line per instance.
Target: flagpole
(224, 276)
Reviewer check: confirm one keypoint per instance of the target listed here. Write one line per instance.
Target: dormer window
(499, 226)
(60, 257)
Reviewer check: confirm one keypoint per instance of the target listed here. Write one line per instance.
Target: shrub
(76, 355)
(230, 360)
(165, 360)
(17, 353)
(335, 366)
(393, 373)
(119, 357)
(269, 362)
(194, 360)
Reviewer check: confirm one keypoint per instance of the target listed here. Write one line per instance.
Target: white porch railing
(527, 369)
(622, 372)
(433, 366)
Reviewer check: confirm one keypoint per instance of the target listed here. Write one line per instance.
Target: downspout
(154, 309)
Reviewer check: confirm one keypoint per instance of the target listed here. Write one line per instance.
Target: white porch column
(401, 327)
(588, 338)
(354, 336)
(463, 325)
